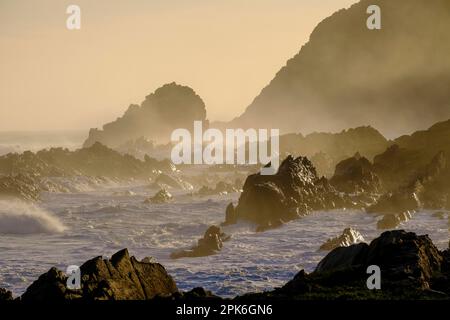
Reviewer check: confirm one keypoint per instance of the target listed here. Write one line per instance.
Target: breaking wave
(22, 218)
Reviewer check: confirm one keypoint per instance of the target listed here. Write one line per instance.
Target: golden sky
(226, 50)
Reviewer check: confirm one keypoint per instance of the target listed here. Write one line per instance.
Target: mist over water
(19, 141)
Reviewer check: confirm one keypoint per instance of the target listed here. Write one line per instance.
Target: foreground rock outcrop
(120, 278)
(411, 268)
(211, 243)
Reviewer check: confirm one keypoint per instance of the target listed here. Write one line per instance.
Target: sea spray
(18, 217)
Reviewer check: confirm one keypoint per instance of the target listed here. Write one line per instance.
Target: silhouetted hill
(395, 79)
(169, 107)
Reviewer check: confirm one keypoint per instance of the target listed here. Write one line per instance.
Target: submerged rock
(120, 278)
(162, 196)
(211, 243)
(348, 237)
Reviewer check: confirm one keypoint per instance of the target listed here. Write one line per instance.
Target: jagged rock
(411, 268)
(356, 175)
(5, 295)
(348, 237)
(120, 278)
(392, 221)
(399, 254)
(21, 186)
(211, 243)
(295, 190)
(162, 196)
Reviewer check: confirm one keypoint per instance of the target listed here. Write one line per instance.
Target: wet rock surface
(120, 278)
(211, 243)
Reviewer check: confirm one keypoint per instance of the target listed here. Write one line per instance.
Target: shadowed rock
(354, 175)
(120, 278)
(211, 243)
(162, 196)
(5, 295)
(294, 191)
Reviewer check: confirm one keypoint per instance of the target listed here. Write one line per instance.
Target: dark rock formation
(411, 268)
(230, 215)
(324, 88)
(430, 188)
(348, 237)
(162, 196)
(293, 191)
(356, 175)
(170, 107)
(5, 295)
(211, 243)
(120, 278)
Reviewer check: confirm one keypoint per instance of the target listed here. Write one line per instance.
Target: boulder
(402, 256)
(120, 278)
(295, 190)
(162, 196)
(5, 295)
(348, 237)
(211, 243)
(356, 175)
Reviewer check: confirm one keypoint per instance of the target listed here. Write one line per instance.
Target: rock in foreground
(411, 268)
(120, 278)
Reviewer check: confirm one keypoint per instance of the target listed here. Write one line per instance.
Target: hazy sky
(226, 50)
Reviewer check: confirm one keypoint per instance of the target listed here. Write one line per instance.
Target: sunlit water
(102, 222)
